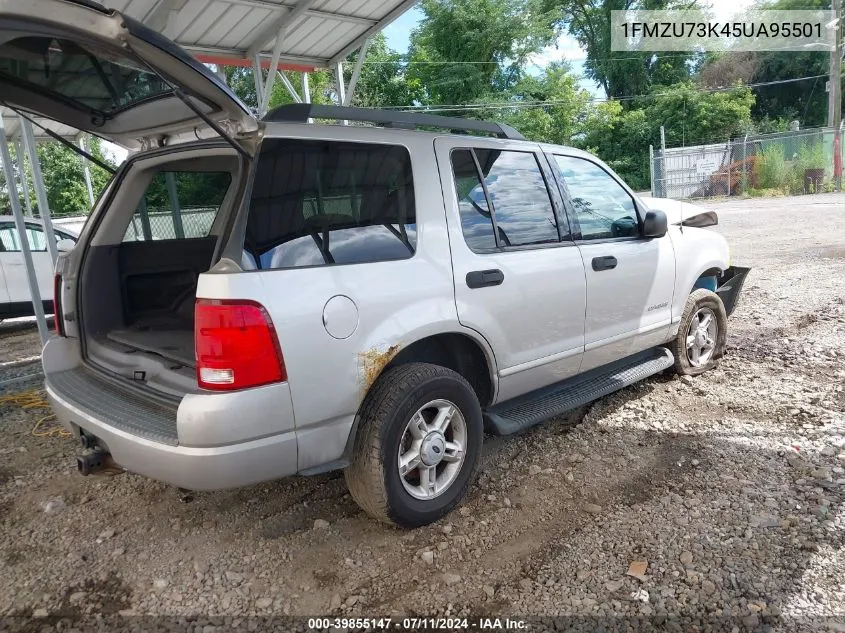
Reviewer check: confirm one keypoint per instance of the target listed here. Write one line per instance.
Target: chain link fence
(801, 162)
(164, 225)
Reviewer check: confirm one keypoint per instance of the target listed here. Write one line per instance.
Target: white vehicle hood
(678, 212)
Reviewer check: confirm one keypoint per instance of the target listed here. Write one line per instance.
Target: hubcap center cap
(433, 448)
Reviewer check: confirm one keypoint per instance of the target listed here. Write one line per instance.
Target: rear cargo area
(155, 286)
(139, 277)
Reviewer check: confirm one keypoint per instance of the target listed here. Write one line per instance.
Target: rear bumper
(214, 441)
(730, 285)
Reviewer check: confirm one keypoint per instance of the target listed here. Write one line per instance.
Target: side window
(9, 238)
(603, 209)
(520, 200)
(178, 204)
(522, 211)
(35, 237)
(476, 221)
(317, 203)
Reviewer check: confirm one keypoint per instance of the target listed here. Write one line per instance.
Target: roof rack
(301, 112)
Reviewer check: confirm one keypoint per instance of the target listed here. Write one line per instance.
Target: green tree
(620, 138)
(384, 80)
(464, 49)
(804, 100)
(64, 179)
(242, 83)
(619, 73)
(5, 205)
(549, 107)
(690, 116)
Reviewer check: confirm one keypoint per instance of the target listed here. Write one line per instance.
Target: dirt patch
(372, 363)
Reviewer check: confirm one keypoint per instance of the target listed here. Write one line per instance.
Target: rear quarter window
(318, 203)
(178, 205)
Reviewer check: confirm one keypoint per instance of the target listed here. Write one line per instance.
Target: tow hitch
(97, 463)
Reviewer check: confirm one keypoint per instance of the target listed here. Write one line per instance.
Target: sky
(566, 49)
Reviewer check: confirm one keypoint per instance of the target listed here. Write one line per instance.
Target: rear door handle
(484, 278)
(604, 263)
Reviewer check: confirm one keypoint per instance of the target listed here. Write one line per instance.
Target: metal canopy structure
(12, 125)
(24, 135)
(303, 34)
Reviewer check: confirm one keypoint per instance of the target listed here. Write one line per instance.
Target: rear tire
(424, 420)
(702, 334)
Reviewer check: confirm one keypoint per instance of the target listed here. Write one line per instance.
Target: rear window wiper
(79, 151)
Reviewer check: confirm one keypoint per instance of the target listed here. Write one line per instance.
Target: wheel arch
(459, 352)
(685, 283)
(429, 347)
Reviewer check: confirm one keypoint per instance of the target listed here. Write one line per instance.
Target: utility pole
(834, 107)
(834, 103)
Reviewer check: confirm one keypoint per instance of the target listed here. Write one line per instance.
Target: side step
(537, 406)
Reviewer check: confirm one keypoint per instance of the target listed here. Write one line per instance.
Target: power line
(409, 62)
(540, 104)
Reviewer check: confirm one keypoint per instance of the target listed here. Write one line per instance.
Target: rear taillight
(236, 345)
(58, 319)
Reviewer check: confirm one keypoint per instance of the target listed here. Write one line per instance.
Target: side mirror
(65, 245)
(655, 224)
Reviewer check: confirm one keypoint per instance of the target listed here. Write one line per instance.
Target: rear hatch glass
(84, 76)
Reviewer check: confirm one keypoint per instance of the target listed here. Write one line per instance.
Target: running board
(537, 406)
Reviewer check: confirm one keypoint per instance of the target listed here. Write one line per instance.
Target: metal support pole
(835, 107)
(146, 229)
(271, 73)
(651, 168)
(745, 183)
(175, 210)
(86, 170)
(259, 82)
(38, 183)
(341, 89)
(356, 73)
(663, 193)
(306, 92)
(729, 167)
(20, 225)
(24, 181)
(289, 86)
(306, 89)
(834, 97)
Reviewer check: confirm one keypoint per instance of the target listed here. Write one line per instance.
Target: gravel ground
(713, 502)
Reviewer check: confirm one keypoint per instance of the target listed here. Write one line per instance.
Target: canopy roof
(314, 33)
(12, 125)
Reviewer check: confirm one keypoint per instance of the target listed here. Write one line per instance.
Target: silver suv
(286, 297)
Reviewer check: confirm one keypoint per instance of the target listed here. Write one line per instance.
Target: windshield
(85, 77)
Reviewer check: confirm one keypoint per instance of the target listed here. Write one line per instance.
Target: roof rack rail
(301, 112)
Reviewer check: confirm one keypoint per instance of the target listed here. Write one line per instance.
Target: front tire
(702, 334)
(418, 445)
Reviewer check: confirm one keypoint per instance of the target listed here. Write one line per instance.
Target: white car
(15, 298)
(286, 297)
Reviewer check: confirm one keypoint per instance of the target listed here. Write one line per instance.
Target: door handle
(604, 263)
(484, 278)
